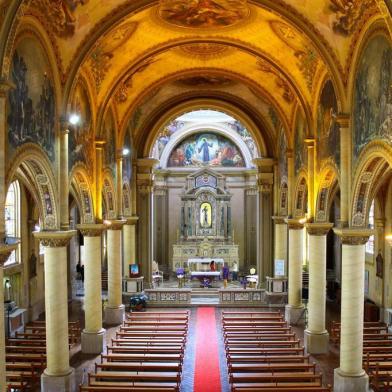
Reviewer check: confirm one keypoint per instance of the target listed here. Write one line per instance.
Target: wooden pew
(297, 387)
(264, 350)
(234, 358)
(266, 343)
(135, 387)
(125, 377)
(25, 349)
(142, 357)
(271, 367)
(274, 377)
(139, 366)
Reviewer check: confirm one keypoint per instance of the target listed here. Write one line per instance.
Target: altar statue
(205, 215)
(206, 151)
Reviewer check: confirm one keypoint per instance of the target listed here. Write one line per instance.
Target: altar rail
(168, 297)
(242, 297)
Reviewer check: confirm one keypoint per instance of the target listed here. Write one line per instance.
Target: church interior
(195, 195)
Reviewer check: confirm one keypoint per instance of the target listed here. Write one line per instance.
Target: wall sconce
(125, 152)
(74, 118)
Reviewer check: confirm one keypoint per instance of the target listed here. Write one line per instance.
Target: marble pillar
(145, 187)
(119, 184)
(129, 238)
(290, 181)
(93, 335)
(280, 240)
(294, 310)
(310, 178)
(316, 336)
(265, 180)
(350, 376)
(99, 151)
(58, 375)
(63, 176)
(345, 167)
(115, 310)
(5, 252)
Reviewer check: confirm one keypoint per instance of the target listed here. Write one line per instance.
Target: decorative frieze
(294, 224)
(54, 239)
(116, 224)
(92, 230)
(353, 236)
(318, 229)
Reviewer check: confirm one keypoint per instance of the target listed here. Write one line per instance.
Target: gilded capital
(353, 236)
(131, 220)
(279, 220)
(116, 224)
(318, 228)
(294, 224)
(54, 239)
(343, 120)
(91, 230)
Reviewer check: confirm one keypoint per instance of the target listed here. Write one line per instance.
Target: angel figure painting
(203, 13)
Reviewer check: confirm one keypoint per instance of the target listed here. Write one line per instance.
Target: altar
(206, 232)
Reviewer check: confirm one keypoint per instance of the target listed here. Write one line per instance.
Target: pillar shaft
(3, 386)
(64, 185)
(311, 162)
(290, 182)
(295, 266)
(56, 301)
(129, 237)
(119, 184)
(114, 267)
(99, 149)
(280, 241)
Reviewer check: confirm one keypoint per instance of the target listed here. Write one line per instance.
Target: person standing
(234, 269)
(225, 274)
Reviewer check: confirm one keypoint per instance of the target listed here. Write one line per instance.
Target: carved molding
(92, 230)
(116, 224)
(279, 220)
(318, 229)
(54, 239)
(132, 220)
(350, 236)
(294, 224)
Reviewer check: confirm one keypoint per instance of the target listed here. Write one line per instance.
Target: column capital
(350, 236)
(92, 229)
(343, 120)
(295, 224)
(131, 220)
(289, 153)
(264, 164)
(146, 163)
(6, 250)
(54, 239)
(310, 142)
(99, 143)
(5, 86)
(279, 220)
(318, 228)
(115, 224)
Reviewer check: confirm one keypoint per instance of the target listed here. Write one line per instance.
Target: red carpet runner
(207, 373)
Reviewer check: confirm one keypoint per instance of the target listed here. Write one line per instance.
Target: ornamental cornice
(350, 236)
(318, 229)
(115, 224)
(279, 220)
(92, 230)
(343, 120)
(131, 220)
(294, 224)
(54, 239)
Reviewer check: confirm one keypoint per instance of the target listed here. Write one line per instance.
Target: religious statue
(205, 215)
(205, 148)
(379, 264)
(33, 265)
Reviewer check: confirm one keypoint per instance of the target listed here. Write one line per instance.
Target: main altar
(205, 232)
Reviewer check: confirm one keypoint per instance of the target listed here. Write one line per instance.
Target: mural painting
(327, 127)
(127, 161)
(372, 115)
(301, 154)
(81, 138)
(32, 110)
(282, 151)
(109, 135)
(206, 149)
(203, 13)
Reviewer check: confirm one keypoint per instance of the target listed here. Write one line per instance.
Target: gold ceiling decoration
(59, 14)
(305, 53)
(205, 81)
(100, 58)
(348, 14)
(121, 94)
(265, 66)
(203, 13)
(205, 50)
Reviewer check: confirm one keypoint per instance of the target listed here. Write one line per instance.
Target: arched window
(370, 243)
(12, 219)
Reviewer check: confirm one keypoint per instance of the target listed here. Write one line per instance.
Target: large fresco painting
(301, 153)
(81, 138)
(206, 149)
(109, 135)
(32, 109)
(203, 13)
(373, 95)
(327, 127)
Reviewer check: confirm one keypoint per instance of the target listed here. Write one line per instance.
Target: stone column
(265, 180)
(251, 196)
(58, 375)
(311, 162)
(119, 184)
(99, 150)
(63, 175)
(93, 335)
(129, 238)
(161, 218)
(350, 376)
(316, 336)
(115, 310)
(5, 252)
(145, 187)
(280, 240)
(294, 310)
(290, 181)
(345, 167)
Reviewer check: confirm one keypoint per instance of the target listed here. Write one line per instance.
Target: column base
(114, 315)
(64, 383)
(347, 383)
(92, 342)
(295, 315)
(316, 342)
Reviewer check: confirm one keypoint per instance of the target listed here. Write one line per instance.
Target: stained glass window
(12, 219)
(370, 243)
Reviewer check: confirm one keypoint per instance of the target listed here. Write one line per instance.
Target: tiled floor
(85, 363)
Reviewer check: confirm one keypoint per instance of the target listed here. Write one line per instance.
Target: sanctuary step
(205, 297)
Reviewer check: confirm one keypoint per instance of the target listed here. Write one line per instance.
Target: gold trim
(318, 229)
(91, 230)
(294, 224)
(132, 220)
(279, 220)
(54, 239)
(350, 236)
(116, 224)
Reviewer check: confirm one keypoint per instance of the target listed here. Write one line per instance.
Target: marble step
(205, 293)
